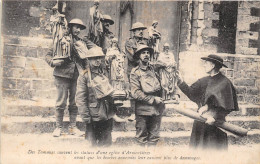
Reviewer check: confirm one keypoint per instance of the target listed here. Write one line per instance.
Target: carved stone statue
(154, 39)
(95, 24)
(59, 27)
(167, 73)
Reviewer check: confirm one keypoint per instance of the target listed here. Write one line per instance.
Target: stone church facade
(230, 29)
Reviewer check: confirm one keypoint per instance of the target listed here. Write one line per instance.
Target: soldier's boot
(56, 132)
(59, 113)
(73, 130)
(132, 111)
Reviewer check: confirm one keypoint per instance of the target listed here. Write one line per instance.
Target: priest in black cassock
(216, 97)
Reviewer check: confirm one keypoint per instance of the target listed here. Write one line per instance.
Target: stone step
(244, 109)
(45, 107)
(183, 137)
(180, 123)
(19, 107)
(16, 125)
(121, 139)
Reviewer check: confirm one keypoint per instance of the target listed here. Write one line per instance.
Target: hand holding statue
(203, 109)
(210, 120)
(179, 77)
(158, 100)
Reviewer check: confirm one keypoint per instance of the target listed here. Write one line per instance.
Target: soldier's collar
(144, 67)
(96, 70)
(138, 38)
(75, 38)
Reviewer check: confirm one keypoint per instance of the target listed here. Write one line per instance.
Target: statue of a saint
(59, 24)
(95, 24)
(154, 39)
(167, 73)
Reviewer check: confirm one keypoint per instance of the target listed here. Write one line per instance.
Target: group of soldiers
(98, 78)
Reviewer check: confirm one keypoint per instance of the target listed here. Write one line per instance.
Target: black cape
(220, 95)
(221, 92)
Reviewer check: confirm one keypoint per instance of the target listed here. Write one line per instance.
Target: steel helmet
(114, 40)
(95, 52)
(138, 25)
(78, 22)
(107, 18)
(142, 48)
(166, 45)
(96, 2)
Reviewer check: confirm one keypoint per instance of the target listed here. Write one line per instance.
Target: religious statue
(95, 24)
(154, 39)
(116, 63)
(168, 73)
(61, 40)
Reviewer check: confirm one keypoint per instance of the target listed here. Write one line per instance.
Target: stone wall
(27, 18)
(200, 36)
(25, 42)
(25, 73)
(243, 71)
(26, 39)
(248, 28)
(199, 26)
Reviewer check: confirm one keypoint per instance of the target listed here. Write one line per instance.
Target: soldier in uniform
(130, 48)
(107, 35)
(66, 75)
(132, 43)
(94, 100)
(146, 91)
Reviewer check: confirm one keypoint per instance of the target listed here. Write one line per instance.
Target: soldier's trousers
(66, 88)
(147, 129)
(99, 133)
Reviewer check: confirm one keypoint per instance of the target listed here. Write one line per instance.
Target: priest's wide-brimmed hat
(214, 59)
(142, 48)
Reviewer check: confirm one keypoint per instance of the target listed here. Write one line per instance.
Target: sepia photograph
(123, 81)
